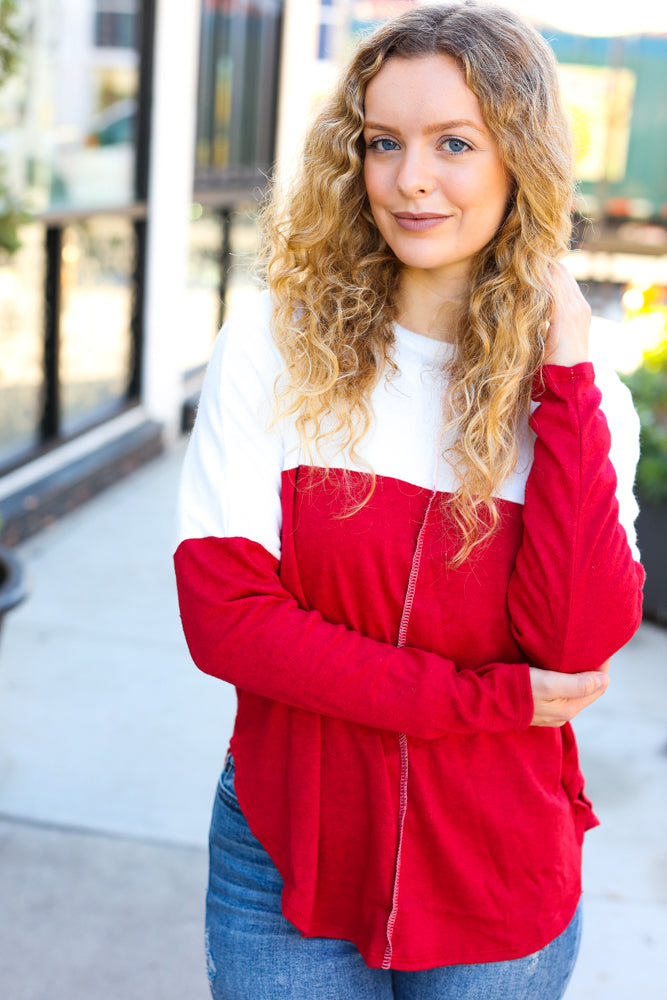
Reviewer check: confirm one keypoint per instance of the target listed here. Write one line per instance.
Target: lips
(418, 222)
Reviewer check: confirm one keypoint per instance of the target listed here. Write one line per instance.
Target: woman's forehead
(427, 90)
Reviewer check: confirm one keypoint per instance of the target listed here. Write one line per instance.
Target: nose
(415, 176)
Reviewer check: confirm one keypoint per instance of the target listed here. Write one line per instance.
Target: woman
(412, 590)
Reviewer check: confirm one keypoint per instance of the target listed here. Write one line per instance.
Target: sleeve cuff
(555, 379)
(526, 707)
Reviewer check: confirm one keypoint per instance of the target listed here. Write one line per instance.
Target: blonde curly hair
(334, 280)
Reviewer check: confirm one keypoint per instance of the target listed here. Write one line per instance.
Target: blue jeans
(254, 953)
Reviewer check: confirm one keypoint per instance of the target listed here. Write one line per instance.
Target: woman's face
(436, 185)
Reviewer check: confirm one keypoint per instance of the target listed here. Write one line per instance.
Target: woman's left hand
(558, 697)
(567, 337)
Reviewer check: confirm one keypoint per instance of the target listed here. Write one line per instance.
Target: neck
(430, 305)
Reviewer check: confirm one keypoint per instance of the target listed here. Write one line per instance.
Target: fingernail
(601, 680)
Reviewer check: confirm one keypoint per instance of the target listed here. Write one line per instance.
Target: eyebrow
(429, 129)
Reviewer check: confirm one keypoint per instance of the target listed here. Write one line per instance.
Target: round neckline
(427, 347)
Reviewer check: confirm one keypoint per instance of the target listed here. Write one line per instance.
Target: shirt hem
(431, 960)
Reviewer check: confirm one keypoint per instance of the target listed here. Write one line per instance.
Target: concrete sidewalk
(111, 743)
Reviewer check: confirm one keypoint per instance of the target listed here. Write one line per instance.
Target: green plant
(11, 212)
(10, 40)
(648, 385)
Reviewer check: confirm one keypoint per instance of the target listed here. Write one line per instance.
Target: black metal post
(50, 422)
(138, 308)
(225, 259)
(145, 45)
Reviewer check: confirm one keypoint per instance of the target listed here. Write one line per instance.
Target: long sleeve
(575, 594)
(244, 627)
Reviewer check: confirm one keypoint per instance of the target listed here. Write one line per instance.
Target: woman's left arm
(575, 593)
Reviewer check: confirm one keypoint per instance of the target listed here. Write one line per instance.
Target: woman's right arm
(244, 627)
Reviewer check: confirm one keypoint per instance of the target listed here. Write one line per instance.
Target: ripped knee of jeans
(210, 963)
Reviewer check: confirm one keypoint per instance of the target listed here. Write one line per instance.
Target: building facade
(138, 135)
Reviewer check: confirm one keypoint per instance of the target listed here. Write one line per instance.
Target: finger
(596, 682)
(576, 687)
(558, 698)
(556, 713)
(569, 707)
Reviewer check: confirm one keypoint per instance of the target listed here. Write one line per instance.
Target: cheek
(373, 180)
(490, 196)
(501, 185)
(487, 187)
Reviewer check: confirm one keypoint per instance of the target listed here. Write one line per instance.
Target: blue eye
(383, 145)
(456, 145)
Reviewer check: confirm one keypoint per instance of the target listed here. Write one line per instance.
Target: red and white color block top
(300, 609)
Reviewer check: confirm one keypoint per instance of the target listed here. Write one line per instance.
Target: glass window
(237, 89)
(68, 118)
(330, 17)
(620, 126)
(212, 271)
(204, 310)
(116, 23)
(95, 358)
(22, 345)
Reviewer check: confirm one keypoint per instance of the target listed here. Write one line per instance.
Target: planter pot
(652, 540)
(12, 582)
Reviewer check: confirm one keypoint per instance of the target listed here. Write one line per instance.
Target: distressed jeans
(254, 953)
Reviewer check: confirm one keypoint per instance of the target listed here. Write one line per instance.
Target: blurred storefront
(74, 152)
(234, 154)
(616, 90)
(138, 136)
